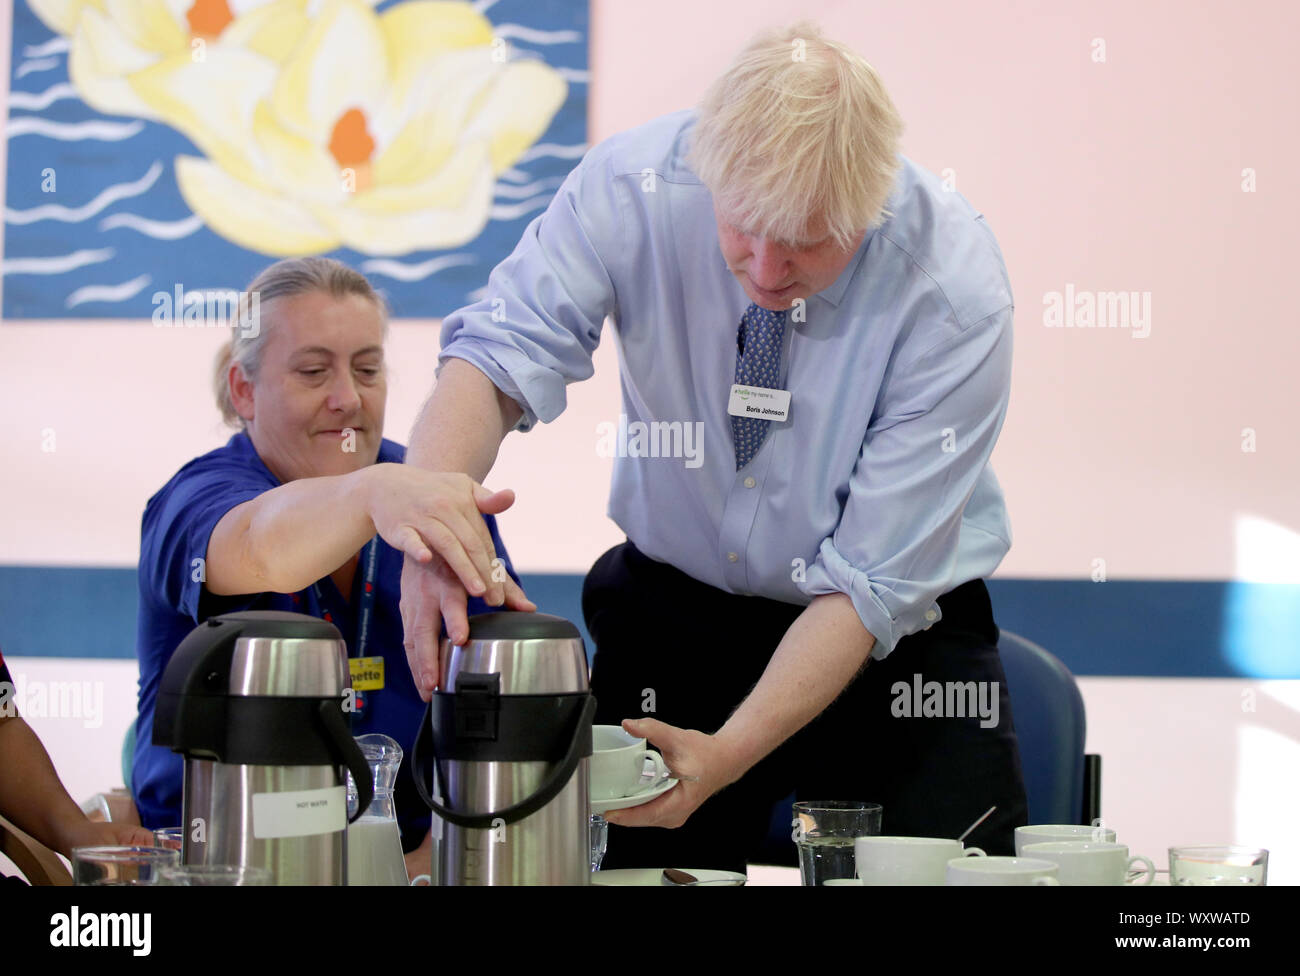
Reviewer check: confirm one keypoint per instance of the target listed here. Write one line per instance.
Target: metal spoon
(978, 822)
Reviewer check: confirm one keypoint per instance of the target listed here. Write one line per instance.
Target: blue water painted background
(203, 260)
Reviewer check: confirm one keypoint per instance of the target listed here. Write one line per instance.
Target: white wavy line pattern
(55, 45)
(74, 215)
(159, 230)
(26, 125)
(107, 293)
(537, 186)
(414, 272)
(515, 175)
(40, 64)
(35, 101)
(482, 5)
(575, 151)
(56, 265)
(578, 76)
(503, 211)
(534, 36)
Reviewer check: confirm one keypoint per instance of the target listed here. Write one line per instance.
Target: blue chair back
(1050, 724)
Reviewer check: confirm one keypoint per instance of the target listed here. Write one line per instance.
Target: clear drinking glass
(1225, 865)
(121, 865)
(599, 837)
(172, 838)
(214, 874)
(824, 831)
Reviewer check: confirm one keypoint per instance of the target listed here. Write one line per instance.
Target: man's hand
(432, 594)
(686, 753)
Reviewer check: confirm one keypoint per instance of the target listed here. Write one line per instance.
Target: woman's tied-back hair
(284, 279)
(796, 128)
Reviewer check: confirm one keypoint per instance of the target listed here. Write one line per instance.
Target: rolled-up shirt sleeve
(894, 551)
(537, 325)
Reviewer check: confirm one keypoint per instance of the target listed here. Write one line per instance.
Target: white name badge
(759, 403)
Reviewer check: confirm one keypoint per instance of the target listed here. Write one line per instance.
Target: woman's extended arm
(287, 538)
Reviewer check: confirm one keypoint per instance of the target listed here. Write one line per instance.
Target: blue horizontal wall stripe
(1120, 627)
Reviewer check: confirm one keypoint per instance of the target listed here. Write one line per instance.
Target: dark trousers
(699, 651)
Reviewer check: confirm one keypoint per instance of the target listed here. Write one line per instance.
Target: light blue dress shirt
(878, 485)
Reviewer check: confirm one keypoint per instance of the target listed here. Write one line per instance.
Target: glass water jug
(374, 839)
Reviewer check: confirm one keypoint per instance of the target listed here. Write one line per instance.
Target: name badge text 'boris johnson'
(759, 403)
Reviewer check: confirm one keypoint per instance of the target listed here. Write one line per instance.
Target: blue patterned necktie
(759, 364)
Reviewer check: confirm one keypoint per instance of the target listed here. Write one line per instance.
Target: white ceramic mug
(907, 860)
(1042, 833)
(618, 763)
(1001, 871)
(1086, 863)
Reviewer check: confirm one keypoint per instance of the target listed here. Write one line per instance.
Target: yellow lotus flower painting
(413, 139)
(112, 41)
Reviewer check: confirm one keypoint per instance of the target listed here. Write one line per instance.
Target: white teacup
(1043, 833)
(907, 860)
(1001, 871)
(1086, 863)
(618, 763)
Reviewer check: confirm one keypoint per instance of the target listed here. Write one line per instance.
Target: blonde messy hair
(284, 279)
(798, 127)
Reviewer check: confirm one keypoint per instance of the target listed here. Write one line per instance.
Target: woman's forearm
(287, 538)
(31, 794)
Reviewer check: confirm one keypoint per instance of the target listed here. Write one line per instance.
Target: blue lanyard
(369, 558)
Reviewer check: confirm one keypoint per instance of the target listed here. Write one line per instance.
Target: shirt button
(930, 615)
(732, 557)
(750, 482)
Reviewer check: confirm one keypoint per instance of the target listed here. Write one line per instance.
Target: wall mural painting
(164, 151)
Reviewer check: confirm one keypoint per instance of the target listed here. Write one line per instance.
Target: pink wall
(1117, 175)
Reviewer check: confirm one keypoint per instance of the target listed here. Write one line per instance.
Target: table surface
(766, 876)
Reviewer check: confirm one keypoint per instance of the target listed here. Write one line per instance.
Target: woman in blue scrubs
(309, 509)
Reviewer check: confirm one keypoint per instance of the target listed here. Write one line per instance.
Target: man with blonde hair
(837, 328)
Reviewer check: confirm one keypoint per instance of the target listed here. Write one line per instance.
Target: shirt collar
(835, 292)
(389, 451)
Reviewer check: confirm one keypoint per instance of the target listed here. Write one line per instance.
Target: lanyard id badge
(367, 673)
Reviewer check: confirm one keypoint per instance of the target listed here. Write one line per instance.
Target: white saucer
(635, 800)
(654, 877)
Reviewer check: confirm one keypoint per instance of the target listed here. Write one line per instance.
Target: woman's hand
(432, 516)
(80, 832)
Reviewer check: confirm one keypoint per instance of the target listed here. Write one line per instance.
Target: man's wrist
(739, 752)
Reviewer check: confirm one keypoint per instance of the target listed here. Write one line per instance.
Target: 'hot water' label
(300, 813)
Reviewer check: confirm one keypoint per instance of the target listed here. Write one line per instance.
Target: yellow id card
(367, 673)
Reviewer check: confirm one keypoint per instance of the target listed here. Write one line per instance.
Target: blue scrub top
(178, 521)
